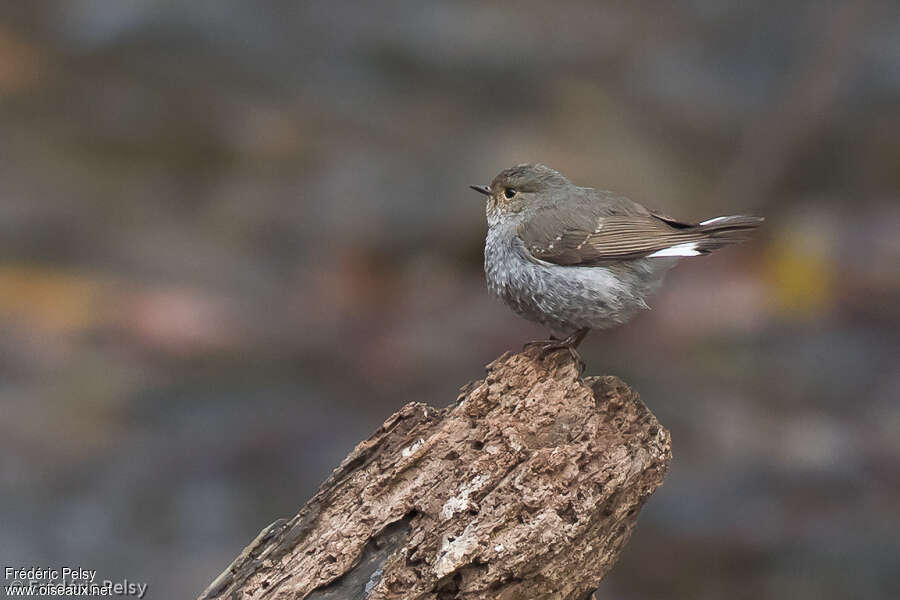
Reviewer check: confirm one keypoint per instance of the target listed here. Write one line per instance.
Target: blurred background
(236, 236)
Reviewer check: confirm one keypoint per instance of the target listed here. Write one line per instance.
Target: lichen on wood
(527, 487)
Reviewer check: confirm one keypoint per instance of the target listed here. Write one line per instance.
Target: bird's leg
(570, 344)
(541, 343)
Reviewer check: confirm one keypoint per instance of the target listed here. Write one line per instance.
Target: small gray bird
(576, 259)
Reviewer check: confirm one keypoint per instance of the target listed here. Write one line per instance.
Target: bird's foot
(540, 343)
(569, 344)
(549, 349)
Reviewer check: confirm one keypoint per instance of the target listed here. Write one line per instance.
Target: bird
(575, 259)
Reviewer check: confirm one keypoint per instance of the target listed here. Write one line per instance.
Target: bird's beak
(481, 189)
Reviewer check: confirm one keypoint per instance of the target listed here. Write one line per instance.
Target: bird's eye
(509, 192)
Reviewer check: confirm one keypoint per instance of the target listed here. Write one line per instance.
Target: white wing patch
(714, 220)
(685, 249)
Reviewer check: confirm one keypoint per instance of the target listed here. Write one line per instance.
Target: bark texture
(526, 488)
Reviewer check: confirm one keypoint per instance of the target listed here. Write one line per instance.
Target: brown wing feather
(615, 237)
(596, 239)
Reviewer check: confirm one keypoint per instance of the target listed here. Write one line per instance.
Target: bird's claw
(548, 347)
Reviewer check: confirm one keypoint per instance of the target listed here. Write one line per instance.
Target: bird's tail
(703, 238)
(722, 231)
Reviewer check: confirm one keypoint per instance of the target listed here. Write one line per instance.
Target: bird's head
(517, 188)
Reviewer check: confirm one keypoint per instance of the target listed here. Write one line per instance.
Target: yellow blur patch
(51, 300)
(800, 274)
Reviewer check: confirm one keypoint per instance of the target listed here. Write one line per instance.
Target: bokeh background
(236, 236)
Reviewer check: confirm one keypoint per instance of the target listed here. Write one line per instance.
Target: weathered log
(526, 488)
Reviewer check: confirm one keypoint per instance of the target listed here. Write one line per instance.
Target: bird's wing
(596, 233)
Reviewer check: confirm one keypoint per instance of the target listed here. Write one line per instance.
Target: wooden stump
(526, 488)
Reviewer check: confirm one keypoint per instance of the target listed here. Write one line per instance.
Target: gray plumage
(575, 258)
